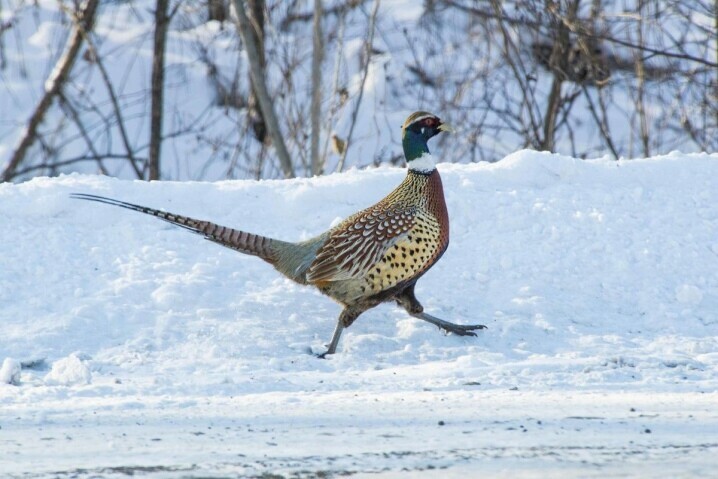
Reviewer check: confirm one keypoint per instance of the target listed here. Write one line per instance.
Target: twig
(519, 71)
(70, 161)
(113, 99)
(602, 125)
(523, 22)
(305, 17)
(83, 131)
(335, 87)
(367, 56)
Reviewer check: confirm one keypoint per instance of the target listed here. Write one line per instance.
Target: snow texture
(10, 371)
(147, 350)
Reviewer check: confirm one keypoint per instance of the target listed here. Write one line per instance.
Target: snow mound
(10, 371)
(689, 294)
(69, 371)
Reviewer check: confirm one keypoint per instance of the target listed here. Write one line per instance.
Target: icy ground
(130, 347)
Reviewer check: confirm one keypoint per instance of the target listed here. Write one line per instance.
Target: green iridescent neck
(414, 145)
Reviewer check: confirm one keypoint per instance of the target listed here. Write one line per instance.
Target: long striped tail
(242, 241)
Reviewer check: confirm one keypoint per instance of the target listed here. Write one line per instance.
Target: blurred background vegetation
(214, 89)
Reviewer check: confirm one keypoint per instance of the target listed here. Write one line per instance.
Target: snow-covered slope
(598, 281)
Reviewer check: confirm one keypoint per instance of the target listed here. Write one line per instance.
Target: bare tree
(595, 52)
(581, 77)
(558, 63)
(217, 10)
(255, 15)
(317, 55)
(53, 86)
(158, 82)
(256, 70)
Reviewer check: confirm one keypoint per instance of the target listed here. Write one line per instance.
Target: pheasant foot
(458, 329)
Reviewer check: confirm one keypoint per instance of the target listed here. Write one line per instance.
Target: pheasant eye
(430, 122)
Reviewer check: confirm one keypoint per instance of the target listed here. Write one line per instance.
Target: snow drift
(594, 278)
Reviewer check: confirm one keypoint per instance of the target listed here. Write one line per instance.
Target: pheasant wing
(359, 242)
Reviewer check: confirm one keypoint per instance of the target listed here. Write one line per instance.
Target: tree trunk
(641, 83)
(53, 86)
(552, 108)
(559, 64)
(217, 10)
(158, 83)
(255, 15)
(316, 108)
(715, 84)
(256, 70)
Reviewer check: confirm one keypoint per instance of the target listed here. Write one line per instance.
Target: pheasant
(374, 256)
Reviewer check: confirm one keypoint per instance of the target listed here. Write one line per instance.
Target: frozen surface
(145, 350)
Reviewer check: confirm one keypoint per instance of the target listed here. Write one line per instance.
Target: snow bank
(568, 261)
(593, 277)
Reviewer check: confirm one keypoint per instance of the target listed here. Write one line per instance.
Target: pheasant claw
(458, 329)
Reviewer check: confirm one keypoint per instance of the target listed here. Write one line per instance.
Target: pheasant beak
(446, 127)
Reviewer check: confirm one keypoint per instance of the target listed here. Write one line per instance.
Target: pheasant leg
(335, 339)
(409, 302)
(346, 318)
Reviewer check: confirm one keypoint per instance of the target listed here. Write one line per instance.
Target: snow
(146, 350)
(68, 371)
(10, 371)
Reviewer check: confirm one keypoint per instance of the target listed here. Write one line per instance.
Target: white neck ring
(424, 164)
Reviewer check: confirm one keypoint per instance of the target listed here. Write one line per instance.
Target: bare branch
(83, 131)
(305, 17)
(71, 161)
(600, 121)
(367, 58)
(53, 85)
(335, 85)
(113, 99)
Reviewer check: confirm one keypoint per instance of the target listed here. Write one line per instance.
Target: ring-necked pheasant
(374, 256)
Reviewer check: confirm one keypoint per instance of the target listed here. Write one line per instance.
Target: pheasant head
(416, 132)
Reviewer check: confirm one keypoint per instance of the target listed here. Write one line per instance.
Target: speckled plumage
(375, 255)
(386, 246)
